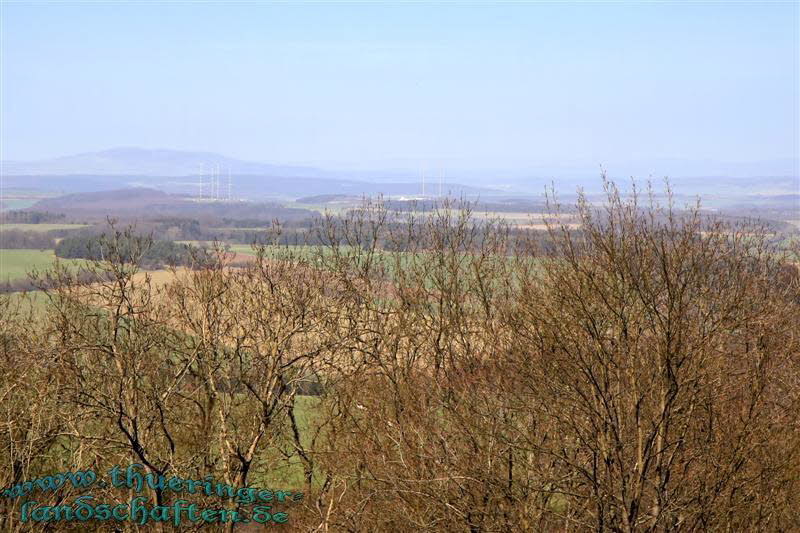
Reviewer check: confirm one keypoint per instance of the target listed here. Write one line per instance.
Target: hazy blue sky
(484, 85)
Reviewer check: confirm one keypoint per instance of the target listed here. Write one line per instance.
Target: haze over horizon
(513, 87)
(131, 160)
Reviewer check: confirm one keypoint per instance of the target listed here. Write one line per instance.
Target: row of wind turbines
(211, 191)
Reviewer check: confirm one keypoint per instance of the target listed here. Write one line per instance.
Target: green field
(14, 198)
(41, 227)
(25, 302)
(300, 250)
(15, 264)
(17, 203)
(245, 249)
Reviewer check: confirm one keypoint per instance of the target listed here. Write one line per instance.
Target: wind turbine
(216, 183)
(201, 181)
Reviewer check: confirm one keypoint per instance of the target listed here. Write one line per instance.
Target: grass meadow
(40, 227)
(15, 264)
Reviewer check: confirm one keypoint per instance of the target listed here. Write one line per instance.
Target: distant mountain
(131, 161)
(179, 172)
(145, 162)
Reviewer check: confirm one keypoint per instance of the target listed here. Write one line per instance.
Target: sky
(357, 85)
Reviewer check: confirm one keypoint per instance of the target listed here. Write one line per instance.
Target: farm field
(243, 249)
(16, 203)
(15, 264)
(533, 221)
(34, 302)
(263, 228)
(14, 198)
(246, 251)
(334, 209)
(41, 227)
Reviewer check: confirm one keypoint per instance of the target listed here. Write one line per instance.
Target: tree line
(155, 254)
(30, 217)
